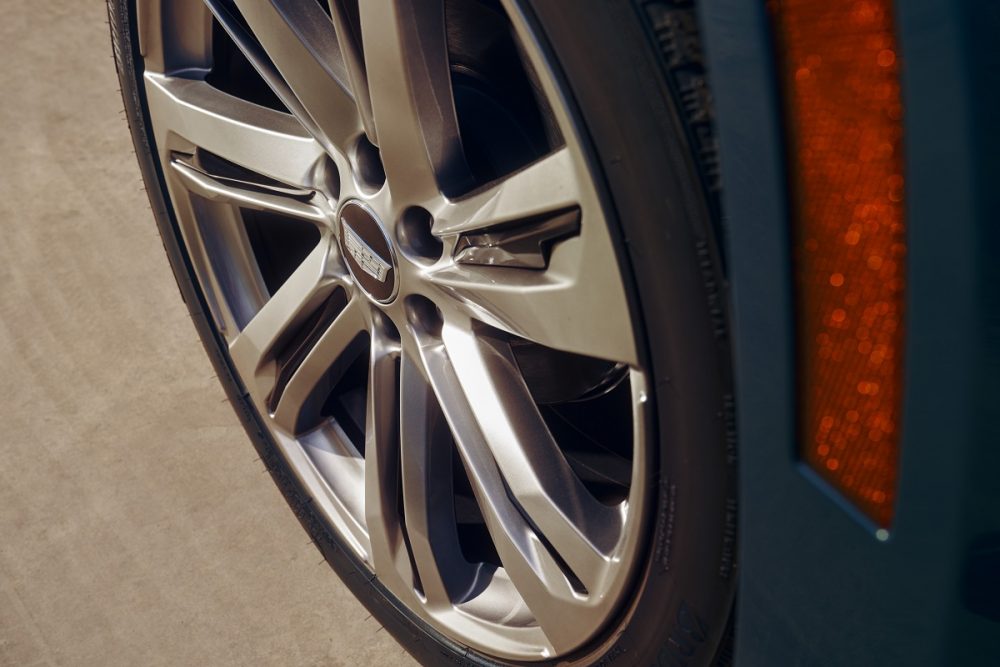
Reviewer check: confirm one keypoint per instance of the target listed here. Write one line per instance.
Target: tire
(633, 81)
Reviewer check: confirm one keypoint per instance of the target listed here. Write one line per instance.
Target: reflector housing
(840, 71)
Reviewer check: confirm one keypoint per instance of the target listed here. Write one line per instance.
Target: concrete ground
(136, 527)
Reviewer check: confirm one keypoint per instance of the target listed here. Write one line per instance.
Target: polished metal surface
(441, 371)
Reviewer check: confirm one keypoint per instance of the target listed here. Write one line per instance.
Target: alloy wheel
(417, 283)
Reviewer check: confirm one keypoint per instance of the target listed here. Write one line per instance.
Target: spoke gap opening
(280, 244)
(596, 436)
(232, 71)
(346, 401)
(586, 404)
(504, 119)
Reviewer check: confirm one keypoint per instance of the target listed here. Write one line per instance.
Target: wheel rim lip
(306, 469)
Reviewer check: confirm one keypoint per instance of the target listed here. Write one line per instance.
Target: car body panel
(817, 585)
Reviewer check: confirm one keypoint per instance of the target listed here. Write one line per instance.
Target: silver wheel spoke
(561, 310)
(301, 294)
(406, 58)
(189, 115)
(389, 553)
(354, 62)
(577, 303)
(531, 567)
(300, 40)
(223, 260)
(187, 27)
(543, 187)
(258, 58)
(427, 490)
(582, 530)
(318, 371)
(187, 112)
(246, 195)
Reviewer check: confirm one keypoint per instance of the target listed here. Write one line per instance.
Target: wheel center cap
(367, 250)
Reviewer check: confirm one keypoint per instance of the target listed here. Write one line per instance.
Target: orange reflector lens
(840, 69)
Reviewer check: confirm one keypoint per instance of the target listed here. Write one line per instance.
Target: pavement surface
(136, 526)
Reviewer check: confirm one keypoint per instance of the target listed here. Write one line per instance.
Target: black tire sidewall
(619, 83)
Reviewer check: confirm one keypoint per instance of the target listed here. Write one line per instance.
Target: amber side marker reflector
(840, 73)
